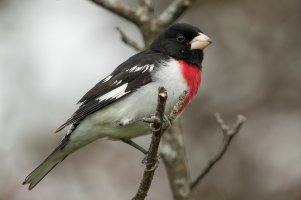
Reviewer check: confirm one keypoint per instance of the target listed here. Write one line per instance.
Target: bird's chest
(176, 77)
(192, 76)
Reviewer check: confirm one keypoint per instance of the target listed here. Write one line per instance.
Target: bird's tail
(57, 156)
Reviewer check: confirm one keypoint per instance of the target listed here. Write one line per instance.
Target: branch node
(174, 11)
(148, 5)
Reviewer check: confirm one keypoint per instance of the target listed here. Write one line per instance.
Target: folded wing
(125, 79)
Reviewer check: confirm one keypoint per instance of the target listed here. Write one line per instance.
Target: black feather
(123, 73)
(166, 46)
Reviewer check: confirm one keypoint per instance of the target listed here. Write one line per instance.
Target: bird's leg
(151, 120)
(141, 149)
(135, 145)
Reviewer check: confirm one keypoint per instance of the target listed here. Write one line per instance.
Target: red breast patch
(192, 76)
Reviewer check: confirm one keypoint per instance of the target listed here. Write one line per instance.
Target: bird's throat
(192, 77)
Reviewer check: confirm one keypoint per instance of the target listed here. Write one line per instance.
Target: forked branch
(174, 11)
(119, 8)
(228, 133)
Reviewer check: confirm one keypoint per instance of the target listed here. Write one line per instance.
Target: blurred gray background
(53, 51)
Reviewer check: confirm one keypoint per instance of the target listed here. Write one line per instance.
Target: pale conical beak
(200, 42)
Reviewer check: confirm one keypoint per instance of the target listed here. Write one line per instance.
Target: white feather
(144, 68)
(107, 78)
(141, 103)
(132, 69)
(117, 92)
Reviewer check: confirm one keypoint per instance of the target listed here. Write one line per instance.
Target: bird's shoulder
(134, 71)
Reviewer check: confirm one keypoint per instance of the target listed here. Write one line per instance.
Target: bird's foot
(153, 129)
(166, 121)
(149, 119)
(153, 119)
(151, 164)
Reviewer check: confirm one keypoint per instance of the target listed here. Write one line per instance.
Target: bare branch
(176, 109)
(151, 159)
(120, 9)
(128, 40)
(173, 154)
(174, 11)
(228, 133)
(159, 127)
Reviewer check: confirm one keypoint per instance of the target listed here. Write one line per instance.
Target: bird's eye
(180, 38)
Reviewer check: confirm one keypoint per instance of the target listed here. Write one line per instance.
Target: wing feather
(126, 78)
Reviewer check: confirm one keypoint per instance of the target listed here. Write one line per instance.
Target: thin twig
(228, 133)
(158, 129)
(119, 8)
(174, 11)
(128, 40)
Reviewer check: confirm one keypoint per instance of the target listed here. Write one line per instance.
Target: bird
(113, 108)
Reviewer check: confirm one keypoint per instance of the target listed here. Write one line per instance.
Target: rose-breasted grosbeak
(113, 107)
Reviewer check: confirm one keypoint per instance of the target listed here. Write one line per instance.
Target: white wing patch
(116, 82)
(148, 68)
(131, 69)
(144, 68)
(116, 93)
(107, 78)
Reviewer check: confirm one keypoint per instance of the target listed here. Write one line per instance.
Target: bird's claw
(151, 163)
(153, 119)
(153, 129)
(166, 121)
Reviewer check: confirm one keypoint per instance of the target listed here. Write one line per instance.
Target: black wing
(126, 78)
